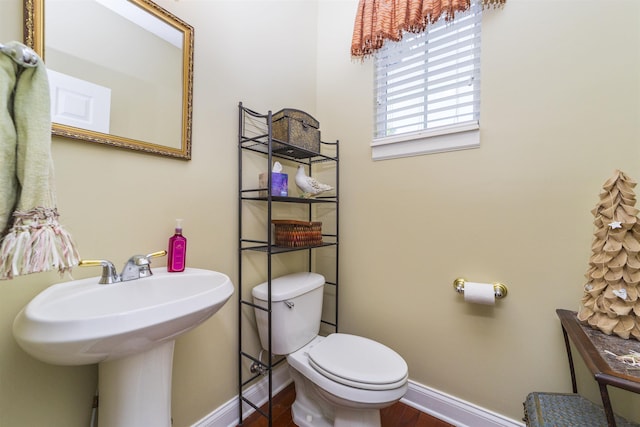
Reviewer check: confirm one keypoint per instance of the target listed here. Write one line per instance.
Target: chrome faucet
(137, 267)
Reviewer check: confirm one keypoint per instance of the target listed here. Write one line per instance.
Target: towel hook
(23, 55)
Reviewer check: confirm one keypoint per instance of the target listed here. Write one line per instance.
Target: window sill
(452, 138)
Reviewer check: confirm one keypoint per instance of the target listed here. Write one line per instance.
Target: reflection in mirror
(122, 77)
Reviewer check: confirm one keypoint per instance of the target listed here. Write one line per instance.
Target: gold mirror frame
(34, 37)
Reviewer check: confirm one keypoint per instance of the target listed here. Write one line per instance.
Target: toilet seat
(358, 362)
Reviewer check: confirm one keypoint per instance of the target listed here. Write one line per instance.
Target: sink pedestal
(135, 390)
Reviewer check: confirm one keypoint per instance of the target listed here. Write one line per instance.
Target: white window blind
(428, 84)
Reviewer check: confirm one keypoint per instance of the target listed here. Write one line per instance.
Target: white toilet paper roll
(479, 293)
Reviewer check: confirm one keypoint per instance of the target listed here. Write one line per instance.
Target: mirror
(122, 77)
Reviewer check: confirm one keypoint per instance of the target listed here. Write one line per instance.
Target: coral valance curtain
(380, 20)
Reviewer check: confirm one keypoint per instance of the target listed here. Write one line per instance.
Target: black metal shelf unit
(255, 136)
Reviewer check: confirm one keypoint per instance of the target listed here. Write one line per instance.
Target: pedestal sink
(129, 329)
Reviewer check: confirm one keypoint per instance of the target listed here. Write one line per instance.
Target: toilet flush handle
(289, 304)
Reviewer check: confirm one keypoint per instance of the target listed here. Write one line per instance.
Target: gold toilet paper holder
(499, 289)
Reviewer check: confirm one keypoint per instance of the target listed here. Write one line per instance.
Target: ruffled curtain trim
(380, 20)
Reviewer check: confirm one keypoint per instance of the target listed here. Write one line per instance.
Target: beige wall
(560, 111)
(560, 108)
(118, 202)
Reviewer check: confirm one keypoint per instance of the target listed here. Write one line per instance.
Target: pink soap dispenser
(177, 252)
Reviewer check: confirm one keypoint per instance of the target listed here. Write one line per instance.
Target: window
(427, 89)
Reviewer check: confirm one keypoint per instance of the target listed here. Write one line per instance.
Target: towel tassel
(36, 243)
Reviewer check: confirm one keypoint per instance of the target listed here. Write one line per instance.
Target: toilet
(340, 379)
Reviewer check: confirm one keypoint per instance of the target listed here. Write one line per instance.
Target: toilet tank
(296, 310)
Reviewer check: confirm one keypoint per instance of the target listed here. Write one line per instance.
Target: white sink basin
(81, 322)
(129, 329)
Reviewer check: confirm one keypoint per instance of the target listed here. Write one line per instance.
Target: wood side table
(606, 369)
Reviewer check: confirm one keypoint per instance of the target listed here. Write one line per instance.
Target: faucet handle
(109, 273)
(144, 260)
(143, 264)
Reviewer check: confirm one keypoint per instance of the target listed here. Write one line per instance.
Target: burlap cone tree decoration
(611, 302)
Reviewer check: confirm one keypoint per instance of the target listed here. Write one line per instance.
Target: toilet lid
(358, 362)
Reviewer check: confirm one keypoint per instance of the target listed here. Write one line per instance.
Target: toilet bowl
(341, 379)
(344, 380)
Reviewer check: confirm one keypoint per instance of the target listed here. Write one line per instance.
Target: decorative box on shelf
(298, 129)
(295, 234)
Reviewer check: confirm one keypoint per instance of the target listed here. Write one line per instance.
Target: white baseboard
(453, 410)
(433, 402)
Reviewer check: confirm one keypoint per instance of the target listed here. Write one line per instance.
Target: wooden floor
(397, 415)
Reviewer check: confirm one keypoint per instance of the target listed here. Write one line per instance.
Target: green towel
(32, 239)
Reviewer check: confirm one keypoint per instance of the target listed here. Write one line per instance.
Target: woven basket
(295, 234)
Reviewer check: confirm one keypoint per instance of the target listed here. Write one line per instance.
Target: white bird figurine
(310, 186)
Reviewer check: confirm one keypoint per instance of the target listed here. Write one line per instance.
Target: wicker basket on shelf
(295, 234)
